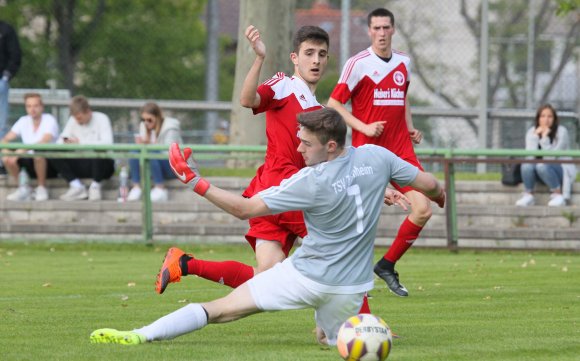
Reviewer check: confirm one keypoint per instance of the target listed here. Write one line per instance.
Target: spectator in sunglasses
(154, 129)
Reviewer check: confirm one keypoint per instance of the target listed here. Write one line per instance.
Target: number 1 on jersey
(354, 191)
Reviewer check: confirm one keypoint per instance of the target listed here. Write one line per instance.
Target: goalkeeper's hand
(185, 168)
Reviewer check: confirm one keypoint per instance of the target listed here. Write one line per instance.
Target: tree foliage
(510, 23)
(508, 32)
(567, 6)
(105, 48)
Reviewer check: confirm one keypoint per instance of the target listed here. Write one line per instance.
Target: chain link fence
(533, 58)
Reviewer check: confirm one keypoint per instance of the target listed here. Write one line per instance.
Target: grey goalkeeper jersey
(341, 201)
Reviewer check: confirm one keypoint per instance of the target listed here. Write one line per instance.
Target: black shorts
(28, 164)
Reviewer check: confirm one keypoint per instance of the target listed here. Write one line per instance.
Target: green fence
(142, 152)
(450, 157)
(447, 157)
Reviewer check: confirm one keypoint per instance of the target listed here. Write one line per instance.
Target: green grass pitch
(465, 306)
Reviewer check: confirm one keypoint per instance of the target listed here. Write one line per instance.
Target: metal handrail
(451, 156)
(205, 105)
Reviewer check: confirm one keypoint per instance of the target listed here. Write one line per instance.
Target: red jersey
(377, 90)
(282, 98)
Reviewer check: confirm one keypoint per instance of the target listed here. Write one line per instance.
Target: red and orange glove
(185, 168)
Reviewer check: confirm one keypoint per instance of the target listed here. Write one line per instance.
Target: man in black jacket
(10, 57)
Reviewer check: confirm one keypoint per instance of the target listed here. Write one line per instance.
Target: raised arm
(249, 97)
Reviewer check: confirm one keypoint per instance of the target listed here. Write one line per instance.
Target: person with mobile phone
(84, 126)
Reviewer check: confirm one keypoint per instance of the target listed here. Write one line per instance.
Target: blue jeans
(551, 174)
(4, 88)
(160, 171)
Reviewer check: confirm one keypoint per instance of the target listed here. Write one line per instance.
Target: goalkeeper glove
(185, 168)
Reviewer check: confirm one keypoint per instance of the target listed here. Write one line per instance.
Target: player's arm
(370, 130)
(186, 170)
(249, 97)
(427, 184)
(236, 205)
(415, 134)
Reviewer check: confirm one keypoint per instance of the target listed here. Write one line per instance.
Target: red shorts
(284, 228)
(411, 158)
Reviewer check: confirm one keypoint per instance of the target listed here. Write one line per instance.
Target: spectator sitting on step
(88, 128)
(547, 134)
(33, 128)
(154, 129)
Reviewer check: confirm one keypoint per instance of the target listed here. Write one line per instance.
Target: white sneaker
(20, 194)
(40, 194)
(526, 200)
(75, 194)
(95, 192)
(159, 195)
(134, 194)
(556, 200)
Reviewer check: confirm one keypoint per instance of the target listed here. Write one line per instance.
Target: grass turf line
(466, 306)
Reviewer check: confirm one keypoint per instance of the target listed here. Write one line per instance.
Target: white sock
(76, 183)
(187, 319)
(95, 184)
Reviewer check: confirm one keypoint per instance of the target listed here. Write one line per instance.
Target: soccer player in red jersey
(282, 98)
(331, 271)
(376, 81)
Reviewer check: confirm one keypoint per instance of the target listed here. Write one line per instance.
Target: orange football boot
(170, 270)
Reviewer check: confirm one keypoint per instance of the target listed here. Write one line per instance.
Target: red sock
(408, 233)
(365, 308)
(229, 273)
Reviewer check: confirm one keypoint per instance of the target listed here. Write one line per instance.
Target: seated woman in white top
(154, 129)
(546, 134)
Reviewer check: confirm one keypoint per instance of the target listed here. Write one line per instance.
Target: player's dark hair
(554, 127)
(326, 124)
(381, 13)
(311, 33)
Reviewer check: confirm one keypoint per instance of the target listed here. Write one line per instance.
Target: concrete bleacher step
(485, 211)
(489, 192)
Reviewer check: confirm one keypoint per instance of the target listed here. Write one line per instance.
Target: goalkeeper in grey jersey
(341, 193)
